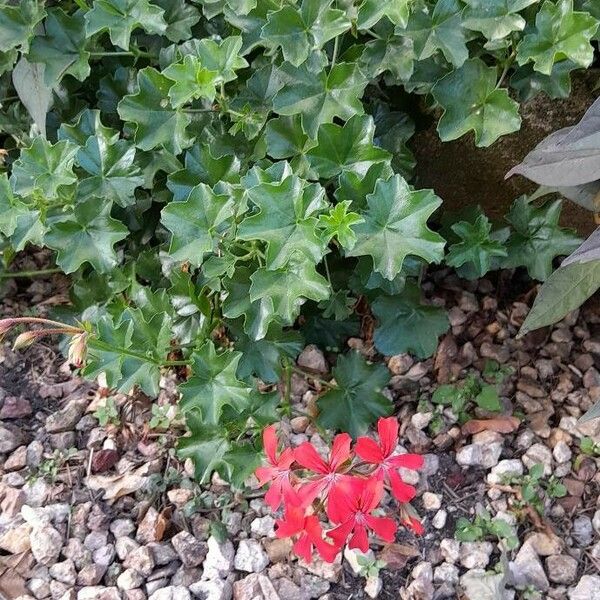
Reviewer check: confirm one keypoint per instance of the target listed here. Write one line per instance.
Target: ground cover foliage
(227, 181)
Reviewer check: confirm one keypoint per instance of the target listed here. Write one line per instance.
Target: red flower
(414, 524)
(308, 528)
(351, 506)
(328, 472)
(279, 472)
(381, 454)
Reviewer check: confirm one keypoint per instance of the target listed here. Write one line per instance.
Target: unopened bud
(24, 340)
(5, 326)
(78, 350)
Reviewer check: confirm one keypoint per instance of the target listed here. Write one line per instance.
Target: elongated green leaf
(18, 22)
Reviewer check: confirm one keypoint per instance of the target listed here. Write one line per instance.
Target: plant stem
(39, 273)
(19, 320)
(199, 110)
(336, 47)
(311, 376)
(287, 400)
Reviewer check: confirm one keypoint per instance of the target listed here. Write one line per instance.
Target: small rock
(122, 527)
(588, 588)
(279, 549)
(477, 455)
(450, 549)
(446, 573)
(288, 589)
(15, 407)
(163, 553)
(582, 530)
(151, 528)
(129, 579)
(66, 418)
(313, 586)
(312, 358)
(91, 575)
(141, 559)
(213, 589)
(263, 526)
(503, 469)
(17, 460)
(561, 452)
(98, 592)
(254, 587)
(10, 438)
(324, 570)
(420, 420)
(180, 496)
(250, 557)
(95, 540)
(352, 555)
(527, 569)
(104, 555)
(171, 592)
(373, 586)
(475, 555)
(46, 544)
(190, 550)
(538, 454)
(400, 364)
(545, 544)
(219, 559)
(64, 572)
(431, 501)
(561, 568)
(439, 519)
(125, 546)
(299, 424)
(233, 523)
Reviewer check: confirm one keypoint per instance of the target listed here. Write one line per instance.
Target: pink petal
(369, 450)
(309, 458)
(407, 461)
(340, 451)
(388, 434)
(384, 527)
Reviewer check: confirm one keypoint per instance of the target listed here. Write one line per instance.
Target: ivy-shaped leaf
(192, 81)
(121, 17)
(390, 52)
(285, 137)
(339, 224)
(180, 18)
(356, 402)
(495, 18)
(156, 123)
(371, 11)
(223, 58)
(406, 325)
(440, 29)
(287, 220)
(483, 108)
(321, 96)
(194, 223)
(18, 23)
(44, 168)
(300, 31)
(537, 239)
(396, 226)
(88, 235)
(347, 148)
(559, 33)
(213, 384)
(62, 50)
(528, 82)
(477, 248)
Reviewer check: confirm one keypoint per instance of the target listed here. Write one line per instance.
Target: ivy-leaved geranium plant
(226, 180)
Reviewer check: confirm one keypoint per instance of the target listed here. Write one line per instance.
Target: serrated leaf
(440, 29)
(213, 384)
(36, 96)
(471, 102)
(18, 22)
(396, 226)
(62, 48)
(537, 238)
(406, 325)
(289, 288)
(355, 188)
(559, 33)
(224, 58)
(371, 12)
(180, 18)
(339, 224)
(321, 96)
(156, 123)
(287, 220)
(356, 402)
(347, 148)
(44, 168)
(495, 18)
(477, 248)
(194, 223)
(121, 17)
(192, 81)
(298, 32)
(88, 235)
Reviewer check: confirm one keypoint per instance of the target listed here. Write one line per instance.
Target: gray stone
(219, 559)
(250, 557)
(66, 418)
(588, 588)
(163, 553)
(213, 589)
(561, 568)
(450, 549)
(254, 587)
(46, 544)
(538, 454)
(98, 592)
(446, 573)
(104, 555)
(95, 540)
(64, 572)
(10, 438)
(313, 586)
(141, 560)
(122, 527)
(288, 589)
(129, 579)
(475, 555)
(479, 455)
(172, 592)
(190, 550)
(527, 569)
(439, 519)
(91, 575)
(582, 530)
(125, 546)
(313, 359)
(510, 466)
(263, 527)
(561, 452)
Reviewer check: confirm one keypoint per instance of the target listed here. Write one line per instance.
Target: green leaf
(223, 58)
(482, 108)
(356, 188)
(391, 53)
(559, 33)
(88, 124)
(406, 325)
(180, 17)
(356, 402)
(338, 224)
(477, 248)
(121, 17)
(298, 32)
(156, 123)
(495, 18)
(62, 50)
(320, 96)
(18, 22)
(194, 223)
(565, 290)
(287, 220)
(371, 11)
(289, 288)
(192, 81)
(396, 226)
(529, 82)
(10, 207)
(347, 148)
(87, 235)
(537, 238)
(338, 306)
(488, 399)
(285, 137)
(441, 30)
(44, 168)
(213, 384)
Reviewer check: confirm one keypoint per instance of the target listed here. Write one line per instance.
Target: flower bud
(24, 340)
(78, 350)
(5, 326)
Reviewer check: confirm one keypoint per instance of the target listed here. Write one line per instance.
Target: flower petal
(307, 455)
(371, 494)
(403, 492)
(340, 451)
(415, 525)
(384, 527)
(340, 533)
(407, 461)
(303, 548)
(270, 443)
(369, 450)
(388, 434)
(265, 474)
(274, 496)
(359, 539)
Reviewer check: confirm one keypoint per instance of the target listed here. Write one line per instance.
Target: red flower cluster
(347, 487)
